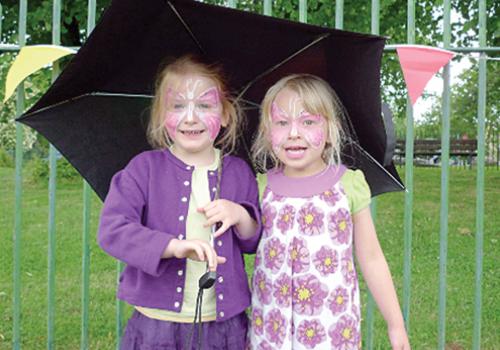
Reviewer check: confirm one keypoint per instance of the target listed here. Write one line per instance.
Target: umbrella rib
(251, 103)
(186, 26)
(279, 64)
(79, 97)
(376, 162)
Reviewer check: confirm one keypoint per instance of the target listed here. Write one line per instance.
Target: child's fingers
(199, 252)
(211, 212)
(221, 230)
(211, 256)
(213, 220)
(209, 206)
(221, 260)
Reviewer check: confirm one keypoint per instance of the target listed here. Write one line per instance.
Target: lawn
(425, 263)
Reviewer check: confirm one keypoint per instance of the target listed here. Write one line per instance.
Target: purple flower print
(340, 226)
(348, 268)
(262, 286)
(326, 261)
(283, 290)
(311, 333)
(338, 300)
(286, 218)
(274, 254)
(356, 312)
(298, 255)
(277, 197)
(275, 327)
(344, 334)
(268, 215)
(257, 321)
(264, 345)
(310, 220)
(330, 196)
(308, 295)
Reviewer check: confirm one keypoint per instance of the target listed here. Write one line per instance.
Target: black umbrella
(96, 112)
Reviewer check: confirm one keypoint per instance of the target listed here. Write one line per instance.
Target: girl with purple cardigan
(158, 214)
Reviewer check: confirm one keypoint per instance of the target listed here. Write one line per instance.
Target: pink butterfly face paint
(190, 105)
(297, 122)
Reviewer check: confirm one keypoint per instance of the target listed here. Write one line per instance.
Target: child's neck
(204, 157)
(310, 170)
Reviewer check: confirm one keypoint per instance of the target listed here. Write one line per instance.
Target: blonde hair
(157, 133)
(318, 98)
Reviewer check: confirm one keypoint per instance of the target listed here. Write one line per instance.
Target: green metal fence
(408, 170)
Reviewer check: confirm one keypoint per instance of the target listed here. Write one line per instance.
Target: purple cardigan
(146, 207)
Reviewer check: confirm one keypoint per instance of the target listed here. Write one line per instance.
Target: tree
(463, 103)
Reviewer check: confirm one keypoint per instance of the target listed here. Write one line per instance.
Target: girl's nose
(293, 131)
(190, 120)
(190, 112)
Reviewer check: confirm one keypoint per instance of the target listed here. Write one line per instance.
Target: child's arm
(121, 233)
(378, 277)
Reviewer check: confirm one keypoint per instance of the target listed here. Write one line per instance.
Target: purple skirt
(144, 333)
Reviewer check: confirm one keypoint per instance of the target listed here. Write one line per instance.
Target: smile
(295, 152)
(295, 149)
(191, 132)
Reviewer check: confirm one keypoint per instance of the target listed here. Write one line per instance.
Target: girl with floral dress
(315, 216)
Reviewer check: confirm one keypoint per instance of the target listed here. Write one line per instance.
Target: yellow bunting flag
(29, 60)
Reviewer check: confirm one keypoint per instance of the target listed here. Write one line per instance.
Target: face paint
(308, 126)
(186, 106)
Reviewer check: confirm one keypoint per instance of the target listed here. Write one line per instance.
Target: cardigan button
(221, 314)
(179, 289)
(220, 279)
(177, 304)
(180, 236)
(180, 272)
(214, 189)
(219, 243)
(181, 218)
(221, 296)
(186, 183)
(184, 199)
(188, 167)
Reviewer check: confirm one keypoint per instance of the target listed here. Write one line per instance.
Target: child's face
(298, 137)
(193, 111)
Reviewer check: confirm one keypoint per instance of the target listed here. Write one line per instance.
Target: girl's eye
(308, 122)
(178, 106)
(282, 123)
(204, 105)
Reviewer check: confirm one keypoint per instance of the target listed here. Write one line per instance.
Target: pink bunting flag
(419, 64)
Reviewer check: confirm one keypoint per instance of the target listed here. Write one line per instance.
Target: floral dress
(305, 289)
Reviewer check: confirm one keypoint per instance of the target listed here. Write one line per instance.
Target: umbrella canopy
(97, 110)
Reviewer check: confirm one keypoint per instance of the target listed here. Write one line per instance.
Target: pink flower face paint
(186, 106)
(297, 123)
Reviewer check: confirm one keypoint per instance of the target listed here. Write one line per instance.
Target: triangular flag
(29, 60)
(419, 64)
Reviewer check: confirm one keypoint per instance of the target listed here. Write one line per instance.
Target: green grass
(425, 263)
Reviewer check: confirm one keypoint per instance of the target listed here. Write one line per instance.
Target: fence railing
(408, 169)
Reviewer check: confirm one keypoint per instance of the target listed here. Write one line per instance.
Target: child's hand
(194, 249)
(399, 338)
(226, 212)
